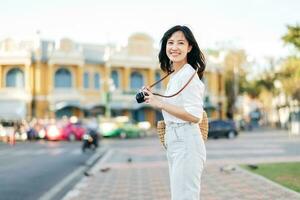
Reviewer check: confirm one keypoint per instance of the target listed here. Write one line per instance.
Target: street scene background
(70, 126)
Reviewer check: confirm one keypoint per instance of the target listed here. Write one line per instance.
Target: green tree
(264, 82)
(289, 75)
(292, 36)
(290, 70)
(235, 77)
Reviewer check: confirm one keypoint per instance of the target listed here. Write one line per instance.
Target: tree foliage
(289, 75)
(292, 36)
(234, 63)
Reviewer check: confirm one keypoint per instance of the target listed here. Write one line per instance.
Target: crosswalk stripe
(40, 152)
(56, 151)
(76, 152)
(246, 152)
(21, 153)
(36, 152)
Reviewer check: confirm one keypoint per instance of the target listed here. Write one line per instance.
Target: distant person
(186, 151)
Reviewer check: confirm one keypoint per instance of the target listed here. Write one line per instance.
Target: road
(255, 147)
(28, 170)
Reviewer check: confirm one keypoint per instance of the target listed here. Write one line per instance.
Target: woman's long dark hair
(195, 57)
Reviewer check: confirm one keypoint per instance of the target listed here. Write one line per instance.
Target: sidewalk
(141, 173)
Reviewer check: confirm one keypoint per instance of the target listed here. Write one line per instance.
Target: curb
(82, 183)
(58, 187)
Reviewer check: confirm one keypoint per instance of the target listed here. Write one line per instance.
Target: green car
(122, 130)
(130, 130)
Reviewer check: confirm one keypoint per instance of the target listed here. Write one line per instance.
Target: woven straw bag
(203, 125)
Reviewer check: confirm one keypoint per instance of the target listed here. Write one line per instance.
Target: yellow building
(46, 79)
(215, 99)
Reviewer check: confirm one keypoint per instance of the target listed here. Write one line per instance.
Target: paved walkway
(140, 173)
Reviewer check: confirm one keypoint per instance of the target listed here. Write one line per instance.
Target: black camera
(140, 97)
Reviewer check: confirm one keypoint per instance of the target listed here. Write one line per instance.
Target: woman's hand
(151, 99)
(176, 111)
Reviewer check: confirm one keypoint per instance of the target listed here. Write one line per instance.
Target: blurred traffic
(71, 129)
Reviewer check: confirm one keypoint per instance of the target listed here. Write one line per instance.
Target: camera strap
(169, 73)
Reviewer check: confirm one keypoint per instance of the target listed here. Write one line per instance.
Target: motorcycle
(90, 140)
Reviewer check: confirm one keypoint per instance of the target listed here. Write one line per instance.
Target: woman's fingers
(147, 92)
(148, 95)
(146, 88)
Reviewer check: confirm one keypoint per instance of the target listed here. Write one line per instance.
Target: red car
(72, 131)
(53, 132)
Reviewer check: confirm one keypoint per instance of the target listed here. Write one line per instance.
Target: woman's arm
(179, 112)
(176, 111)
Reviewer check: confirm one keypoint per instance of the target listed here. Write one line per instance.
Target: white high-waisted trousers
(186, 156)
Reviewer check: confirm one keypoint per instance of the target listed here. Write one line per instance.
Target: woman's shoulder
(187, 70)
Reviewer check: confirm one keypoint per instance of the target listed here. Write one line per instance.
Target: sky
(254, 25)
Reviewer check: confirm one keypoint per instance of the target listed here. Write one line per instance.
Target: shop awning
(127, 105)
(64, 104)
(12, 110)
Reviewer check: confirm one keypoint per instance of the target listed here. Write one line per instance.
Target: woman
(186, 152)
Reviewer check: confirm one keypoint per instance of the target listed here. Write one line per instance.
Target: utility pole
(37, 63)
(235, 85)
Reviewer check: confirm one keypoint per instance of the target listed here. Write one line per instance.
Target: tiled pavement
(145, 177)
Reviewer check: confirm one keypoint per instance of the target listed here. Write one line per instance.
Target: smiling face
(177, 48)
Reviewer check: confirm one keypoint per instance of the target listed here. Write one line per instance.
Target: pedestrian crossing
(9, 152)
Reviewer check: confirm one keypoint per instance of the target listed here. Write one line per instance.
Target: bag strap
(169, 73)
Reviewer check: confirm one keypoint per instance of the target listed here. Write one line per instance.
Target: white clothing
(186, 151)
(191, 98)
(186, 155)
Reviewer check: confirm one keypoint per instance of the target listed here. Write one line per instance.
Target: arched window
(86, 80)
(15, 78)
(115, 78)
(63, 78)
(136, 80)
(97, 81)
(157, 78)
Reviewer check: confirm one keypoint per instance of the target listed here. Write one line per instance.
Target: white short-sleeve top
(191, 98)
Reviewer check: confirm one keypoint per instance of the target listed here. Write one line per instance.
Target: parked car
(7, 131)
(53, 132)
(109, 129)
(3, 134)
(144, 127)
(20, 130)
(119, 127)
(222, 128)
(73, 131)
(130, 130)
